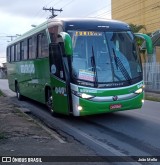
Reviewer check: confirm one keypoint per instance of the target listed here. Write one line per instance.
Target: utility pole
(52, 10)
(13, 36)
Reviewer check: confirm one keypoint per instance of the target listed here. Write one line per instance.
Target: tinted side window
(12, 53)
(17, 52)
(8, 54)
(42, 43)
(39, 38)
(56, 61)
(22, 50)
(25, 50)
(30, 51)
(34, 46)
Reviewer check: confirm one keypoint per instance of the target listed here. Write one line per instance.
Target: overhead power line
(52, 10)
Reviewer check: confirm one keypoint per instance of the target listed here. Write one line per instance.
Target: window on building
(157, 43)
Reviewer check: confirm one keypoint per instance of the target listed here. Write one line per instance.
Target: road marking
(105, 146)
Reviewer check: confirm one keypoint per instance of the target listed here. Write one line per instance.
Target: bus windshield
(105, 58)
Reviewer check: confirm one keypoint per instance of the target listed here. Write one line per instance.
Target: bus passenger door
(60, 99)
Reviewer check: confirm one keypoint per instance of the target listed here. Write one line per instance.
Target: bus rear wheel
(18, 94)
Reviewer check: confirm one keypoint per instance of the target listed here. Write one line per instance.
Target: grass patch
(152, 98)
(1, 94)
(2, 136)
(18, 112)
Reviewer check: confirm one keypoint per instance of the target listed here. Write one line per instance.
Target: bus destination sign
(88, 33)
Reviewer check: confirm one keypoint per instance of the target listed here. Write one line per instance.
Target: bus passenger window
(42, 46)
(22, 50)
(25, 50)
(39, 45)
(32, 48)
(8, 54)
(17, 52)
(12, 53)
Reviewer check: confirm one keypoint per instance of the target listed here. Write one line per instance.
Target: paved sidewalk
(20, 135)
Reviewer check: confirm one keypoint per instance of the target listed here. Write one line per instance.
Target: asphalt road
(127, 133)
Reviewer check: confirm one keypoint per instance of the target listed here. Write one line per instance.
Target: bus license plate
(115, 106)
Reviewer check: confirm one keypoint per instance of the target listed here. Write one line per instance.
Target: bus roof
(90, 23)
(77, 24)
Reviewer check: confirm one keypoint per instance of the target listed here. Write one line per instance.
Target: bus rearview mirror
(148, 41)
(68, 49)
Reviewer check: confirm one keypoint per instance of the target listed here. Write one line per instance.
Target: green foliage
(152, 98)
(136, 28)
(1, 94)
(2, 136)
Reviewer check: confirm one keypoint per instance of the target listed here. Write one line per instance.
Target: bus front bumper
(82, 107)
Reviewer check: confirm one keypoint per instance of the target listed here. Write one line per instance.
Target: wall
(140, 12)
(157, 48)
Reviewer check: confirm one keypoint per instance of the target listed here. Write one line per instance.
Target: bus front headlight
(82, 95)
(140, 90)
(86, 96)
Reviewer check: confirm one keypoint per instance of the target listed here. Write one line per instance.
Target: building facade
(139, 12)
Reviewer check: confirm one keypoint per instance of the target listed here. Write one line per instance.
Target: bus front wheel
(50, 102)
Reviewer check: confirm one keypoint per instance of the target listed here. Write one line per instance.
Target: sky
(17, 16)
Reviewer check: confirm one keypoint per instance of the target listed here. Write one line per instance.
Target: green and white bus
(78, 66)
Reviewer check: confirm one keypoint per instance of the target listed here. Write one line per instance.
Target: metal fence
(151, 75)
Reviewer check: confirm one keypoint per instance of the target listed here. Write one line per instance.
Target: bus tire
(18, 93)
(49, 103)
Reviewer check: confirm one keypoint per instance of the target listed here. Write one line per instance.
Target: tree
(136, 28)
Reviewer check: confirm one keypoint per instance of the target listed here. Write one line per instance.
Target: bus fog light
(142, 101)
(79, 108)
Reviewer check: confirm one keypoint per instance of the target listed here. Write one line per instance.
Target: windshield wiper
(120, 65)
(93, 64)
